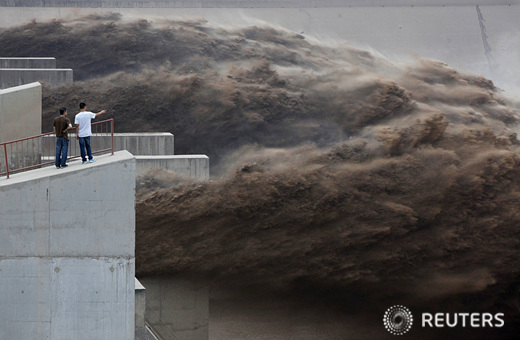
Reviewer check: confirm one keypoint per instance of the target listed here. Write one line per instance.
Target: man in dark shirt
(60, 126)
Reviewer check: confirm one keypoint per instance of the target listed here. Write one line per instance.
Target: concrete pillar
(67, 251)
(20, 112)
(21, 117)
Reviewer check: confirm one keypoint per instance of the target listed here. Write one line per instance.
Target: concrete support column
(67, 251)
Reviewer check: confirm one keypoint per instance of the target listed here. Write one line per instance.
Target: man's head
(82, 106)
(63, 111)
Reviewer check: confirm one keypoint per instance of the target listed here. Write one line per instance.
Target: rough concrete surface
(67, 251)
(28, 62)
(10, 77)
(14, 103)
(191, 166)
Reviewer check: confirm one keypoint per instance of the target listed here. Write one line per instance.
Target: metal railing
(40, 150)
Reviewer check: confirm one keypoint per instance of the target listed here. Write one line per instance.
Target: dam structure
(67, 237)
(67, 251)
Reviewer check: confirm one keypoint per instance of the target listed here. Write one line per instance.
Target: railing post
(112, 126)
(6, 161)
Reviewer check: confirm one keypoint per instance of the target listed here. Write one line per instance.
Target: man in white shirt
(84, 131)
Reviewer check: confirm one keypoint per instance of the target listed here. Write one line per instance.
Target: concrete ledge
(195, 166)
(19, 76)
(28, 63)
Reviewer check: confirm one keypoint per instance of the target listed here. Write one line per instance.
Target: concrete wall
(67, 245)
(194, 166)
(20, 112)
(18, 76)
(182, 307)
(161, 143)
(27, 62)
(20, 117)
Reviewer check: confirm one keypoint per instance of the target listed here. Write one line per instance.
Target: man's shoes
(57, 167)
(64, 165)
(84, 162)
(91, 160)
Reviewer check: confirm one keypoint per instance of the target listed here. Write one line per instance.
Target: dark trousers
(62, 148)
(84, 143)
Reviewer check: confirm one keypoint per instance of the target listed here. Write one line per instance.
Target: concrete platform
(74, 166)
(67, 251)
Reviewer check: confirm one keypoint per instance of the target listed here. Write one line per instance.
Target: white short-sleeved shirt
(83, 119)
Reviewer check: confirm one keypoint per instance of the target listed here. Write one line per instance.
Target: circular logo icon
(398, 320)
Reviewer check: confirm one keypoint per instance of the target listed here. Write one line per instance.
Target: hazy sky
(400, 2)
(360, 3)
(286, 3)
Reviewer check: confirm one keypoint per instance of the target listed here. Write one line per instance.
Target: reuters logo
(398, 320)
